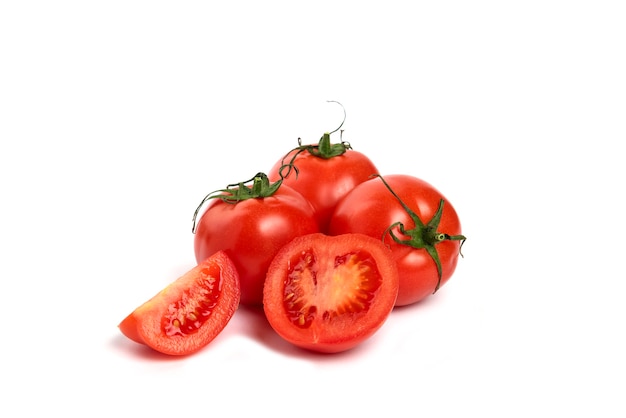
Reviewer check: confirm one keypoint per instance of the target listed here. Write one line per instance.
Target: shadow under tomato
(433, 299)
(144, 352)
(418, 306)
(256, 326)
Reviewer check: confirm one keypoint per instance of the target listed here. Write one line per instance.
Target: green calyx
(324, 149)
(422, 236)
(259, 188)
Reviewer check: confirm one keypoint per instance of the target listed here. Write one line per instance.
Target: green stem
(236, 192)
(323, 149)
(422, 236)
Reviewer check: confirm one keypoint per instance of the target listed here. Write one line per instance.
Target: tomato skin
(251, 232)
(325, 181)
(370, 209)
(209, 291)
(329, 294)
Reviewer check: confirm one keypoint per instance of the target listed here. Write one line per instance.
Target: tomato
(251, 224)
(329, 294)
(418, 223)
(323, 174)
(190, 312)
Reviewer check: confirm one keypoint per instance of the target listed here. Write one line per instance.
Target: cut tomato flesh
(353, 283)
(329, 294)
(186, 315)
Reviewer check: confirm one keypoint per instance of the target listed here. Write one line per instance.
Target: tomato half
(323, 179)
(329, 294)
(405, 207)
(251, 232)
(190, 312)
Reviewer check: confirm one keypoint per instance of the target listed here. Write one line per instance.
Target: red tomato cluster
(323, 243)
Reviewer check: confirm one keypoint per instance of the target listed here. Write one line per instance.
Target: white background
(117, 117)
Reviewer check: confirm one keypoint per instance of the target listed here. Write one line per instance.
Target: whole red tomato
(250, 224)
(323, 173)
(418, 223)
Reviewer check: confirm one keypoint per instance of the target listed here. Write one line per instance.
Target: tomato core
(354, 284)
(187, 314)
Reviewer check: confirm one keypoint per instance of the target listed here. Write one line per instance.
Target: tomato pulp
(372, 209)
(190, 312)
(329, 294)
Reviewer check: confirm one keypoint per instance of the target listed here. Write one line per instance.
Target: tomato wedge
(190, 312)
(329, 294)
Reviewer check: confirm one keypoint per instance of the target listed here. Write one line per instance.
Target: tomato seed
(187, 315)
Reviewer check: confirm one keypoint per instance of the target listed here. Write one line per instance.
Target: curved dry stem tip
(344, 114)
